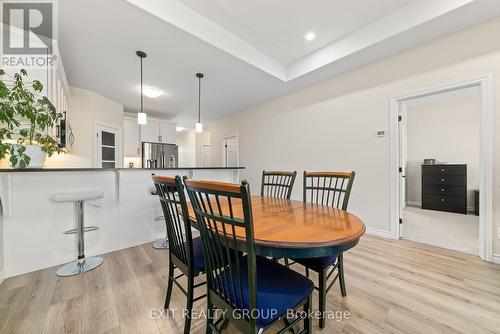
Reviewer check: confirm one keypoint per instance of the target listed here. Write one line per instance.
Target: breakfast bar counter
(32, 225)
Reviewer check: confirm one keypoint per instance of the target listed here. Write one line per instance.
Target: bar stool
(160, 243)
(82, 264)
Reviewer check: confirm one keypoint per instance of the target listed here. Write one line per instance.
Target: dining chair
(252, 292)
(277, 184)
(330, 189)
(185, 252)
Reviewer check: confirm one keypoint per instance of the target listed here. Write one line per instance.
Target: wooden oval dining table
(294, 229)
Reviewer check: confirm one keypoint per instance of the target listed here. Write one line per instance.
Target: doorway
(108, 147)
(439, 145)
(231, 151)
(399, 193)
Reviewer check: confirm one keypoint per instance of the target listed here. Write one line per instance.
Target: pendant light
(199, 125)
(142, 118)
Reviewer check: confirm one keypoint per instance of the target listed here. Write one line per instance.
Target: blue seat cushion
(318, 263)
(278, 288)
(198, 261)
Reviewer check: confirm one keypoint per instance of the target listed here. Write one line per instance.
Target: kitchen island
(32, 225)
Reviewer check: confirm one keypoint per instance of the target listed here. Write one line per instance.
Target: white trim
(2, 276)
(395, 23)
(495, 258)
(379, 233)
(485, 84)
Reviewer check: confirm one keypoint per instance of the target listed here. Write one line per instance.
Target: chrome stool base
(160, 244)
(77, 267)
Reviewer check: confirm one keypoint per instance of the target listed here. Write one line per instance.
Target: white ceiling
(278, 27)
(250, 51)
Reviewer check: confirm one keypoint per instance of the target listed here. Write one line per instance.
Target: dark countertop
(32, 170)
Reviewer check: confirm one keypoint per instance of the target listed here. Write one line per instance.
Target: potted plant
(26, 119)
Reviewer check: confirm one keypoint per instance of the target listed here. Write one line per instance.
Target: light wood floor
(393, 287)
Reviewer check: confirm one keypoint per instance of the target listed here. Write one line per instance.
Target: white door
(150, 132)
(231, 152)
(108, 147)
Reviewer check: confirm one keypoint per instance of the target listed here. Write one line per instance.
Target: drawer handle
(442, 199)
(442, 189)
(442, 169)
(442, 180)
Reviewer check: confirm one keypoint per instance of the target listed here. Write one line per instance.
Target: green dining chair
(278, 184)
(330, 189)
(252, 292)
(185, 252)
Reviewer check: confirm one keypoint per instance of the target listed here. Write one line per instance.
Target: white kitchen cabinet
(150, 132)
(130, 137)
(168, 133)
(158, 132)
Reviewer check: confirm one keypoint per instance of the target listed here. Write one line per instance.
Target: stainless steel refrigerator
(158, 155)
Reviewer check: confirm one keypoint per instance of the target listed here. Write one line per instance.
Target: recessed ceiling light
(310, 36)
(151, 91)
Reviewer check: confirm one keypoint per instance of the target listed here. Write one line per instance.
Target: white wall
(447, 131)
(186, 141)
(203, 139)
(332, 125)
(86, 109)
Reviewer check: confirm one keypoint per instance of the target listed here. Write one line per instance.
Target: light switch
(381, 133)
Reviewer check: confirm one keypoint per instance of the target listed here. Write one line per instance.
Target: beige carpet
(442, 229)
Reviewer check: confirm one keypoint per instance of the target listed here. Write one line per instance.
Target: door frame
(118, 144)
(485, 84)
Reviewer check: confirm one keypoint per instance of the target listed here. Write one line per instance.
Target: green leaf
(37, 86)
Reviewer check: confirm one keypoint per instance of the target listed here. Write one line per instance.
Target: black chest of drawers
(444, 188)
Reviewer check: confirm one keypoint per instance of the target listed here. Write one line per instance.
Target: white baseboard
(495, 258)
(2, 276)
(379, 233)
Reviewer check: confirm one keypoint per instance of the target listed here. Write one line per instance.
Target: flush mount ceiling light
(142, 118)
(199, 125)
(180, 129)
(310, 36)
(152, 92)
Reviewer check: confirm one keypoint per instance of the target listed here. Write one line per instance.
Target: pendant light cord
(199, 99)
(142, 91)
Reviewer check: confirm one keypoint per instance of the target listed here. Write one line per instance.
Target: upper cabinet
(168, 133)
(158, 132)
(130, 137)
(151, 131)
